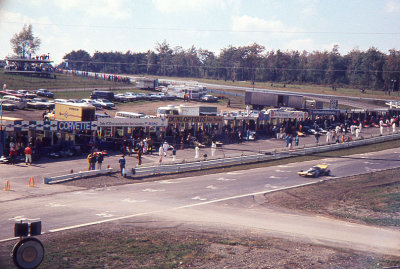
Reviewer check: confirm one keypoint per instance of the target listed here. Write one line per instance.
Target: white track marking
(167, 182)
(225, 179)
(273, 177)
(234, 173)
(104, 215)
(129, 200)
(152, 190)
(211, 187)
(55, 205)
(22, 218)
(199, 198)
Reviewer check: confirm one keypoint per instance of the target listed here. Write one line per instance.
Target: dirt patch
(130, 245)
(372, 198)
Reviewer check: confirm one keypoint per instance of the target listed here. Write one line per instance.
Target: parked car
(60, 101)
(120, 97)
(209, 98)
(18, 101)
(91, 102)
(316, 171)
(8, 105)
(130, 96)
(46, 102)
(105, 103)
(27, 94)
(45, 93)
(12, 92)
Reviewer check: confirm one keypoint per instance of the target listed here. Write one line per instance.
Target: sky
(138, 25)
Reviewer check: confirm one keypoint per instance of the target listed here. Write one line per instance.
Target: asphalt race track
(220, 199)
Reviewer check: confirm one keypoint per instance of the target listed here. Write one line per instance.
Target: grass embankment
(129, 246)
(372, 198)
(62, 81)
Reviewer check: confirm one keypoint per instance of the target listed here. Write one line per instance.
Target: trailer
(261, 99)
(146, 83)
(71, 112)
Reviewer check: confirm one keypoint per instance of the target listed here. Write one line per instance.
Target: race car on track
(316, 171)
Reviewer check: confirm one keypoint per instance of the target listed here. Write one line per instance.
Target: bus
(129, 115)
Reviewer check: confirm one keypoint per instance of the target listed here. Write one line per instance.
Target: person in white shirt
(161, 153)
(165, 148)
(213, 148)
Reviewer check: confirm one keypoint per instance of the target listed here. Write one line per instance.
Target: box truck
(72, 112)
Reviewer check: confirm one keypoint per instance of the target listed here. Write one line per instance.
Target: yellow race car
(316, 171)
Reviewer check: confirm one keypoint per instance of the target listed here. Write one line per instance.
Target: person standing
(160, 153)
(328, 137)
(317, 136)
(13, 155)
(92, 161)
(357, 133)
(28, 155)
(296, 139)
(89, 158)
(139, 155)
(174, 154)
(122, 163)
(213, 148)
(100, 159)
(165, 148)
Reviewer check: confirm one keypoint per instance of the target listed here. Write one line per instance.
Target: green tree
(24, 42)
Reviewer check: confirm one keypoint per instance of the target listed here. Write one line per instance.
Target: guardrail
(143, 171)
(72, 176)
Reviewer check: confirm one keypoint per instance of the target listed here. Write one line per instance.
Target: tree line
(370, 69)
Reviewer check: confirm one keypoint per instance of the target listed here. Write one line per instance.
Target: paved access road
(227, 199)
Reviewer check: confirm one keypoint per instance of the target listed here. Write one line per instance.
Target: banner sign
(31, 126)
(278, 114)
(325, 112)
(195, 119)
(132, 122)
(76, 125)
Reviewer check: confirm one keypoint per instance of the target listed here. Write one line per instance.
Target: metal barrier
(264, 156)
(72, 176)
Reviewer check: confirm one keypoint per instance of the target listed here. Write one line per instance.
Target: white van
(18, 101)
(167, 110)
(130, 115)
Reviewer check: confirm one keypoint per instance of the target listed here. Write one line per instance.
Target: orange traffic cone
(72, 171)
(7, 186)
(108, 166)
(31, 182)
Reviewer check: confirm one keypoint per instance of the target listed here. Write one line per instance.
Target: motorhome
(186, 92)
(183, 110)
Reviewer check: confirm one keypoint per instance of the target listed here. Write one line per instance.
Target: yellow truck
(71, 112)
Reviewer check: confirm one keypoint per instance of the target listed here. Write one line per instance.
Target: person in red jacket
(28, 155)
(13, 155)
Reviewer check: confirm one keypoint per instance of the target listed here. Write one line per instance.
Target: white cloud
(252, 24)
(392, 6)
(169, 6)
(116, 9)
